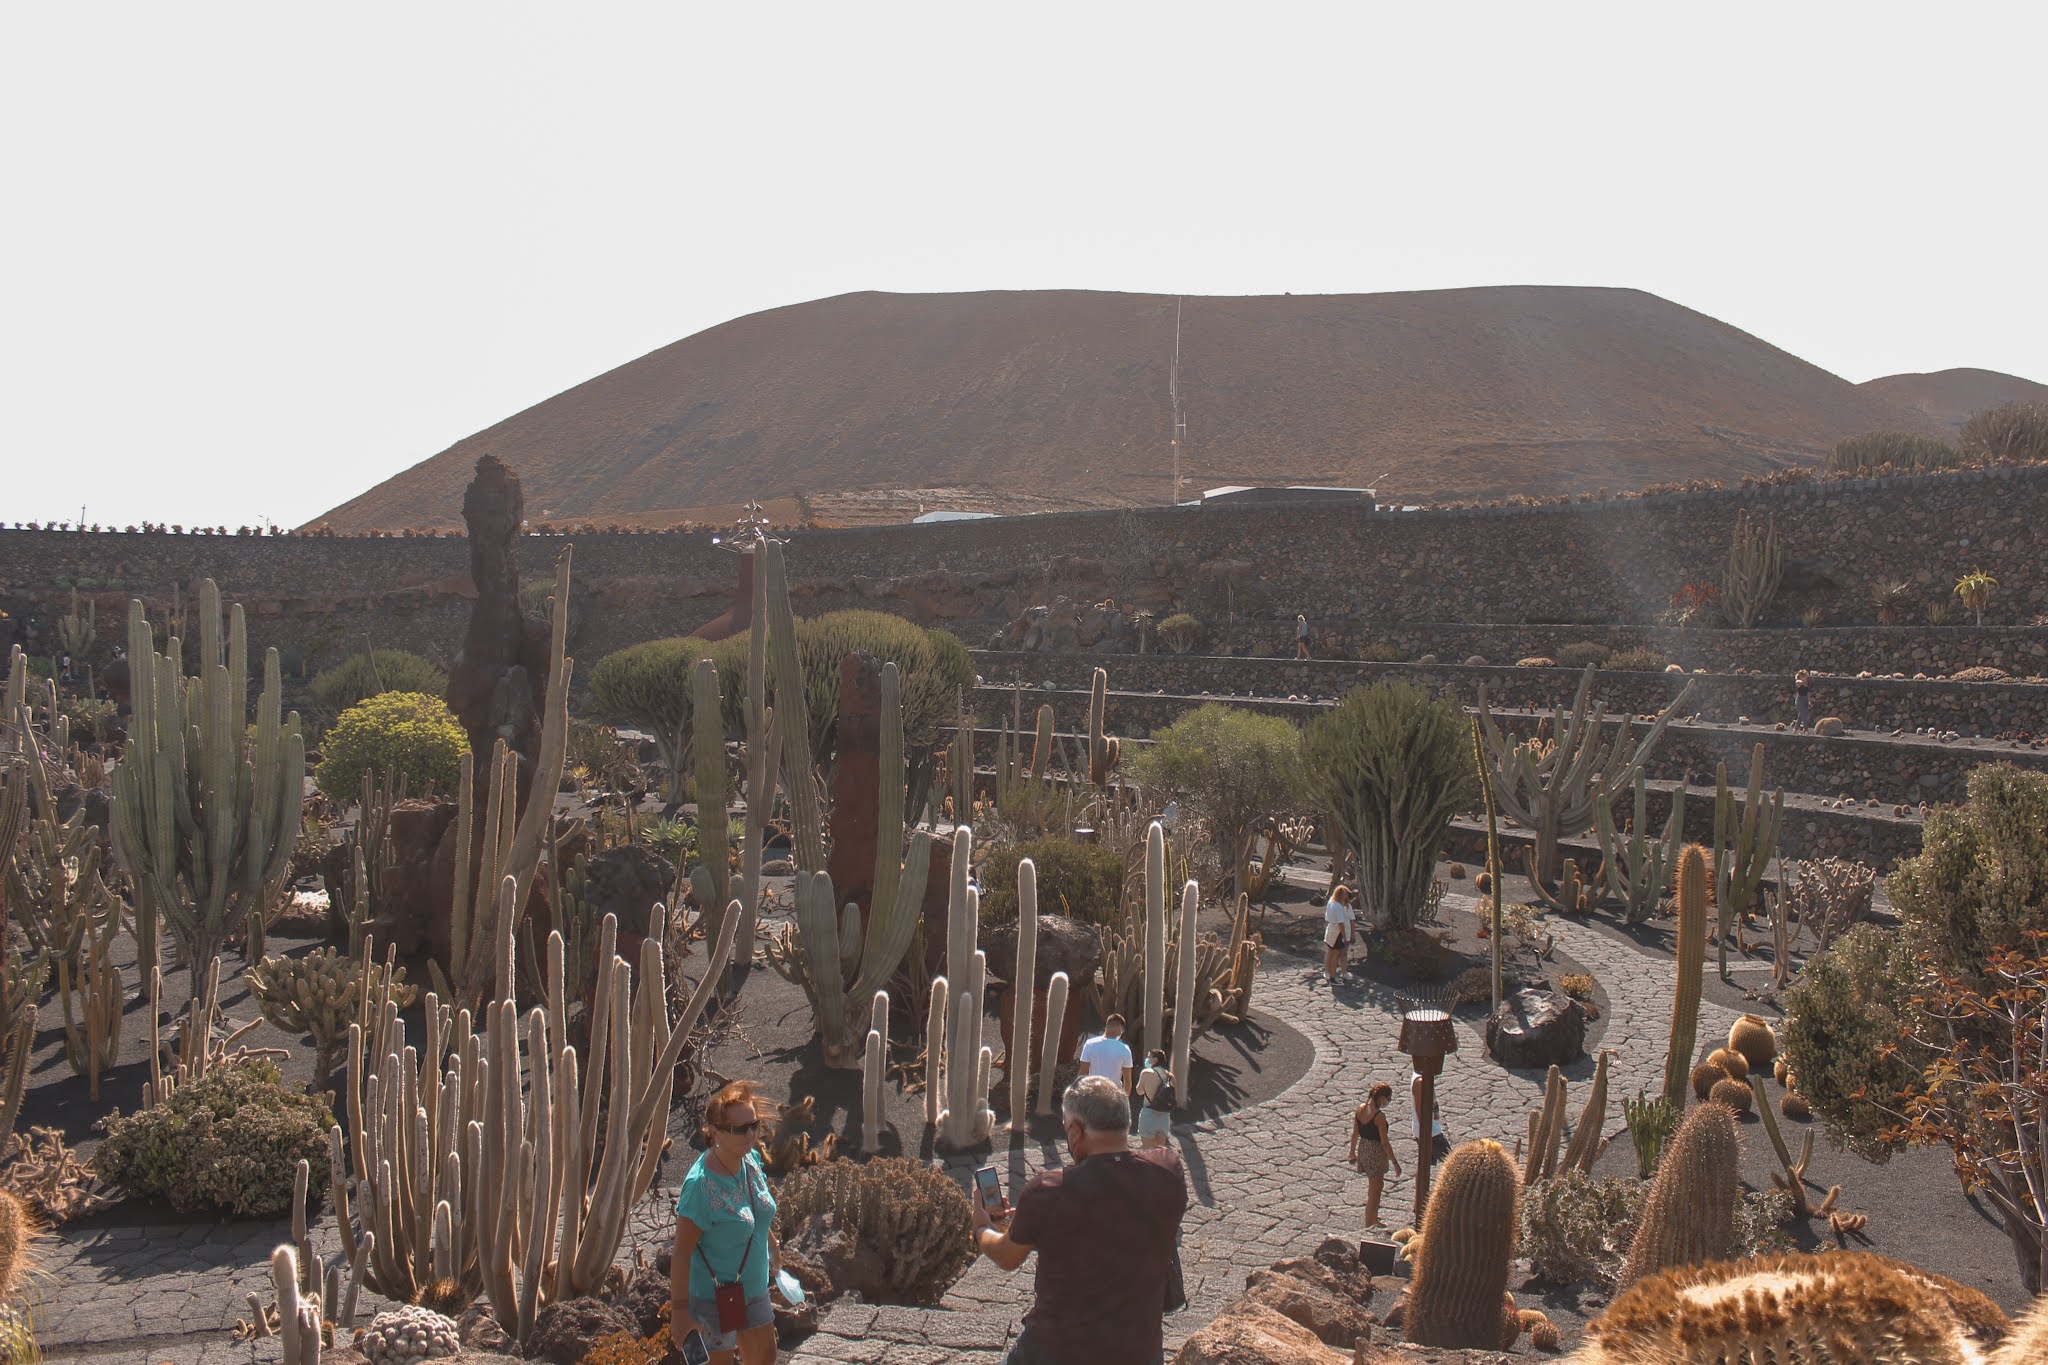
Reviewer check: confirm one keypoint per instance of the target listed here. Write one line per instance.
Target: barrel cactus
(1753, 1037)
(403, 1335)
(1690, 1215)
(1468, 1243)
(1733, 1093)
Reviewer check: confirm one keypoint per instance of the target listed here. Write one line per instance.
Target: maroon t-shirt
(1104, 1232)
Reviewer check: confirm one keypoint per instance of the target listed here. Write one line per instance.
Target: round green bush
(229, 1142)
(410, 731)
(1081, 881)
(349, 681)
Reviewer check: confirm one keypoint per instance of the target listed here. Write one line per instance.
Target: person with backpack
(1157, 1099)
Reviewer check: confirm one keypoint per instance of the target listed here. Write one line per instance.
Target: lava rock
(1536, 1029)
(565, 1332)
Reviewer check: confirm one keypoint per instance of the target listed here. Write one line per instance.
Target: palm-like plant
(1892, 600)
(1974, 589)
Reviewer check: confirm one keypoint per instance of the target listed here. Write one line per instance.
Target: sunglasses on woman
(737, 1129)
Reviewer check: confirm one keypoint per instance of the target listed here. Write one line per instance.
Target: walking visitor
(1340, 920)
(1372, 1148)
(1301, 637)
(1801, 703)
(1158, 1099)
(725, 1252)
(1108, 1055)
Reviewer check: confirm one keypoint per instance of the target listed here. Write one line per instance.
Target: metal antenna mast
(1180, 425)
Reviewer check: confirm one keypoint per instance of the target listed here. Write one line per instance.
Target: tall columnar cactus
(960, 760)
(1745, 841)
(1552, 787)
(1756, 565)
(711, 879)
(1793, 1181)
(1639, 864)
(1155, 935)
(763, 762)
(298, 1318)
(475, 1167)
(204, 818)
(1493, 867)
(964, 1117)
(874, 1073)
(1184, 1006)
(1055, 1029)
(1468, 1244)
(1103, 750)
(1692, 961)
(935, 1053)
(1022, 992)
(1690, 1215)
(1041, 750)
(1546, 1130)
(1586, 1144)
(512, 837)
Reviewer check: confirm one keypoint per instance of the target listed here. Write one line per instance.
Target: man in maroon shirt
(1104, 1229)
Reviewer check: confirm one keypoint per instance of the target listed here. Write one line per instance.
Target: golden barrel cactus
(1468, 1243)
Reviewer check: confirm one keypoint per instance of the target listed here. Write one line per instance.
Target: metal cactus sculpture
(1638, 864)
(1553, 786)
(204, 814)
(1756, 565)
(1745, 841)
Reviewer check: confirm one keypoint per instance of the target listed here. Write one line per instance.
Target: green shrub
(648, 685)
(90, 717)
(1899, 449)
(1181, 632)
(1081, 881)
(1229, 768)
(2013, 431)
(1388, 768)
(348, 682)
(1381, 654)
(1842, 1026)
(413, 733)
(229, 1142)
(1980, 880)
(1641, 659)
(1580, 653)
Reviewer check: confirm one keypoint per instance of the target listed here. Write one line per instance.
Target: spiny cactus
(1691, 955)
(1705, 1077)
(912, 1217)
(1734, 1063)
(1745, 841)
(204, 820)
(1843, 1308)
(319, 994)
(1586, 1144)
(1690, 1214)
(1468, 1236)
(1103, 749)
(1755, 566)
(1638, 864)
(1732, 1093)
(18, 1232)
(1651, 1120)
(403, 1336)
(1552, 786)
(1753, 1037)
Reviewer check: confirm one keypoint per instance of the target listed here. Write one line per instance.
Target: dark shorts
(1023, 1352)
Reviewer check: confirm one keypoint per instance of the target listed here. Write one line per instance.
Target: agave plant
(1892, 598)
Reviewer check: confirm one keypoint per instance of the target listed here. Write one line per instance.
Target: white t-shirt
(1103, 1055)
(1337, 912)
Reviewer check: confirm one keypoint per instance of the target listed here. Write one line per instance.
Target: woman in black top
(1372, 1148)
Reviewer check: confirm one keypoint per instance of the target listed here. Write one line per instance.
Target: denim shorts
(760, 1313)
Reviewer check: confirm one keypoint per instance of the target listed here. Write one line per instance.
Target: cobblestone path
(1265, 1182)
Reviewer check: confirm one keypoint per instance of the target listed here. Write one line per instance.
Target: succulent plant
(1745, 841)
(1753, 1037)
(319, 994)
(1691, 954)
(912, 1216)
(1690, 1215)
(399, 1336)
(1733, 1093)
(1468, 1244)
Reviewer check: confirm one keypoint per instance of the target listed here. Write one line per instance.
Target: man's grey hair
(1098, 1104)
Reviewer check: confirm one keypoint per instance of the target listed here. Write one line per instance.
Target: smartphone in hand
(695, 1352)
(990, 1183)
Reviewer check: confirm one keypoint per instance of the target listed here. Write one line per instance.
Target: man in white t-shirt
(1107, 1054)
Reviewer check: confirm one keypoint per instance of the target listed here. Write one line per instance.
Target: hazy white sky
(260, 256)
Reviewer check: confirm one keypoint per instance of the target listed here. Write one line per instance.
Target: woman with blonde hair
(725, 1252)
(1372, 1148)
(1340, 921)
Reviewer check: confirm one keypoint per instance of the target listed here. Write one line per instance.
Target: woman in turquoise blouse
(724, 1220)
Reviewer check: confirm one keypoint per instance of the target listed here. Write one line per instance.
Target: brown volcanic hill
(872, 403)
(1952, 397)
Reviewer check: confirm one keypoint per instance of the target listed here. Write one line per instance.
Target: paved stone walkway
(1265, 1182)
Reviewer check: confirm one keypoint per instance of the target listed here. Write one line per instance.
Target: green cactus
(1041, 751)
(1689, 1217)
(1468, 1245)
(962, 1061)
(1023, 992)
(320, 994)
(1103, 750)
(1586, 1144)
(711, 879)
(1745, 841)
(1552, 787)
(204, 820)
(1638, 865)
(1650, 1120)
(1692, 958)
(1755, 567)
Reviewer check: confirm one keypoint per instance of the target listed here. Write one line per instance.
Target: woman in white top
(1339, 922)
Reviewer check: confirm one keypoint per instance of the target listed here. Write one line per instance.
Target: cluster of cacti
(957, 1062)
(1755, 567)
(1552, 786)
(1690, 1214)
(1841, 1308)
(1215, 976)
(361, 893)
(475, 1169)
(1828, 895)
(711, 880)
(874, 1072)
(911, 1216)
(201, 1044)
(76, 630)
(1691, 955)
(305, 1292)
(205, 820)
(1468, 1244)
(1487, 883)
(400, 1336)
(1745, 841)
(1103, 750)
(1753, 1038)
(1638, 865)
(512, 837)
(1651, 1120)
(320, 994)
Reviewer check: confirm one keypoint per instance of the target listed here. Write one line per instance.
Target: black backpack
(1163, 1097)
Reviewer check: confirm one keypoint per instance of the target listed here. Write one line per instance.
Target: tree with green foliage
(351, 680)
(1082, 881)
(1388, 768)
(1232, 769)
(407, 732)
(648, 685)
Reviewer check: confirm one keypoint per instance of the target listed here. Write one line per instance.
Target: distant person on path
(1104, 1229)
(1801, 703)
(1339, 922)
(1372, 1148)
(1158, 1099)
(1439, 1145)
(1107, 1054)
(1301, 637)
(724, 1214)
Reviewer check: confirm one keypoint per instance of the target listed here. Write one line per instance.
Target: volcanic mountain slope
(1950, 398)
(871, 404)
